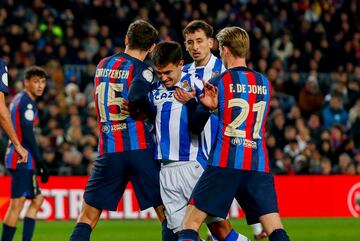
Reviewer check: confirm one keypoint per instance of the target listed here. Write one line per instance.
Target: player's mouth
(167, 83)
(196, 55)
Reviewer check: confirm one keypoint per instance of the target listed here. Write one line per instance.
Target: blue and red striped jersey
(244, 98)
(113, 77)
(23, 113)
(4, 77)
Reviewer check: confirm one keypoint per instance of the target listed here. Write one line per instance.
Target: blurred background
(310, 50)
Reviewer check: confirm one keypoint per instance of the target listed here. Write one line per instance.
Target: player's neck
(137, 54)
(236, 62)
(203, 62)
(33, 97)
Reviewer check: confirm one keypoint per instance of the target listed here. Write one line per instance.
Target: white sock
(257, 228)
(242, 238)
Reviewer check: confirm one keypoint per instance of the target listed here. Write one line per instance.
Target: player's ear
(126, 40)
(152, 48)
(211, 42)
(225, 49)
(181, 63)
(186, 46)
(26, 82)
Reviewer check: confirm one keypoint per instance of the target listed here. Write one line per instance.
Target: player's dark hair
(196, 25)
(35, 71)
(167, 52)
(141, 35)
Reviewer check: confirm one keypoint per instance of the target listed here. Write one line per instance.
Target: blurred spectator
(292, 149)
(310, 97)
(326, 168)
(335, 113)
(315, 71)
(354, 112)
(314, 124)
(283, 47)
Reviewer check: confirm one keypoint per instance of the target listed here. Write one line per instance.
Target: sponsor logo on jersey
(237, 141)
(112, 128)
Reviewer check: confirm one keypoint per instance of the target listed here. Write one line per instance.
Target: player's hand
(125, 108)
(43, 172)
(184, 96)
(209, 97)
(22, 152)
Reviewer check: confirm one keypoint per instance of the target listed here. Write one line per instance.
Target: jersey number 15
(105, 101)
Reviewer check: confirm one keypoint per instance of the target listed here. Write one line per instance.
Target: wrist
(17, 145)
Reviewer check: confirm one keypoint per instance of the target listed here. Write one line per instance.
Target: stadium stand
(310, 50)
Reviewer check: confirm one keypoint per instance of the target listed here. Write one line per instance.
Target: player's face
(169, 74)
(199, 46)
(35, 85)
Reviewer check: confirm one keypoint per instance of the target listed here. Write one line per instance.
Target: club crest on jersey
(185, 85)
(215, 74)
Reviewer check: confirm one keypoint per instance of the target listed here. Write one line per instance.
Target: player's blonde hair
(236, 39)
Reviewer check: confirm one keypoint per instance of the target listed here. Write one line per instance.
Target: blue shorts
(217, 187)
(24, 183)
(113, 171)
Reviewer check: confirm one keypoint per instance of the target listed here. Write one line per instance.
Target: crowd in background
(310, 51)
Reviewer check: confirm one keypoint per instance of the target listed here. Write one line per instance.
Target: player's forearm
(6, 124)
(198, 115)
(139, 99)
(138, 92)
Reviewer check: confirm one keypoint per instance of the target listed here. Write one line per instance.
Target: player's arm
(208, 104)
(139, 102)
(29, 140)
(198, 115)
(6, 125)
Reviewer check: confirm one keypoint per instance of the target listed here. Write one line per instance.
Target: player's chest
(164, 100)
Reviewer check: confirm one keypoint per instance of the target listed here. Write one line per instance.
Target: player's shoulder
(188, 68)
(217, 78)
(25, 99)
(2, 65)
(215, 63)
(190, 79)
(259, 76)
(21, 100)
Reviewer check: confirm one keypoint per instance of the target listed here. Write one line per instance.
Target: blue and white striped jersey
(173, 140)
(212, 69)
